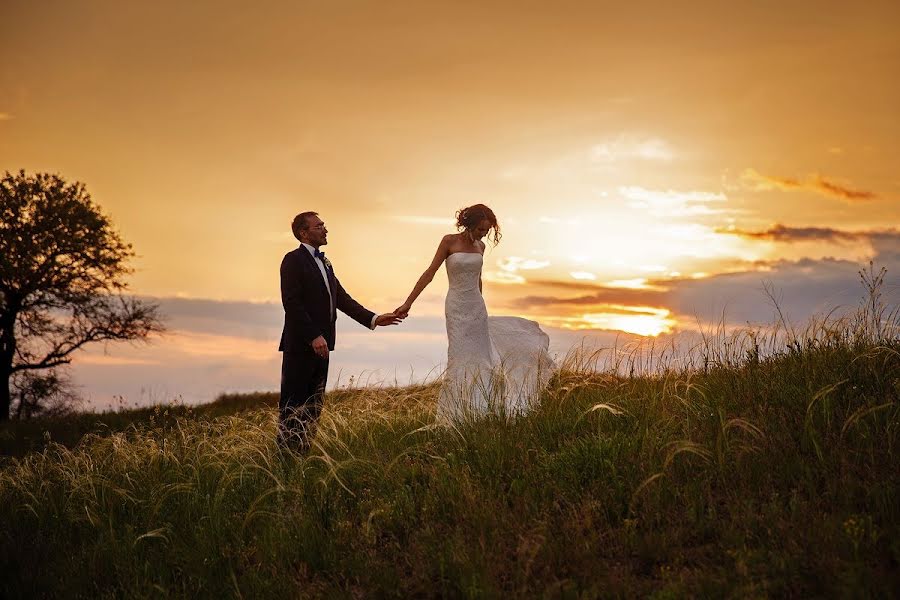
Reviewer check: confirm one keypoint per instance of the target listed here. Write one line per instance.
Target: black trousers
(303, 379)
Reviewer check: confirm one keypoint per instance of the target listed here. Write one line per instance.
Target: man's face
(315, 233)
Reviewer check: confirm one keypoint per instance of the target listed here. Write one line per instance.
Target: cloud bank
(814, 183)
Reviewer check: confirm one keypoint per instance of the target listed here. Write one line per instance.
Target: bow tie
(320, 255)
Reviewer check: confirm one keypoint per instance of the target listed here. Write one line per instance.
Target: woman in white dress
(494, 365)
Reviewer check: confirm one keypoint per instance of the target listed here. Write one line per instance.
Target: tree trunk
(5, 397)
(7, 352)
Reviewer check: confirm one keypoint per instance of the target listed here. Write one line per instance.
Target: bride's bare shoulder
(450, 239)
(447, 245)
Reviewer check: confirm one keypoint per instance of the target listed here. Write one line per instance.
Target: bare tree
(62, 285)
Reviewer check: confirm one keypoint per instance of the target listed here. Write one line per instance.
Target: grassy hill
(18, 438)
(744, 473)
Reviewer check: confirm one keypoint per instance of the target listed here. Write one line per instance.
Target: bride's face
(481, 229)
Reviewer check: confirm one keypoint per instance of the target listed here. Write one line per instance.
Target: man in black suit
(311, 295)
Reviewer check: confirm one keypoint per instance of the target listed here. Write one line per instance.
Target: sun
(639, 320)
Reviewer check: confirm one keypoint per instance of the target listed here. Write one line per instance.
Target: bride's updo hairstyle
(471, 216)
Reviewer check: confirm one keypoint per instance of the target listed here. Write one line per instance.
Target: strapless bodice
(464, 271)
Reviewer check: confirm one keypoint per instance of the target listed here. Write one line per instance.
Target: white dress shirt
(321, 264)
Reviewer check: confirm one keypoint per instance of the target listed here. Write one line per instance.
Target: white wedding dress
(495, 365)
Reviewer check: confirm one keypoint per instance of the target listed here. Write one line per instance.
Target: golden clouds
(783, 233)
(510, 267)
(814, 183)
(673, 203)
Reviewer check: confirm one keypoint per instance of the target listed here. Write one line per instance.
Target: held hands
(402, 311)
(388, 319)
(320, 346)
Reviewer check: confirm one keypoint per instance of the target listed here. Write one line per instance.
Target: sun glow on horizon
(639, 320)
(638, 283)
(627, 244)
(583, 276)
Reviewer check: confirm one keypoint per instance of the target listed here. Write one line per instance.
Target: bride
(494, 364)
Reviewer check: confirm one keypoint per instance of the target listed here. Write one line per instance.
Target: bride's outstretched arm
(443, 251)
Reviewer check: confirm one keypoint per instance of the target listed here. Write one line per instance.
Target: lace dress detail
(495, 365)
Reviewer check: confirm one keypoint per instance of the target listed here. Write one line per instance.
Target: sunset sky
(651, 163)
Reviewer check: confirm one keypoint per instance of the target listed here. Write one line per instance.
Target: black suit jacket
(307, 306)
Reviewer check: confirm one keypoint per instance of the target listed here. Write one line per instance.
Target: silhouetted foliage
(62, 271)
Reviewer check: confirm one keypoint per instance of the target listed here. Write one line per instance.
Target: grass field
(767, 466)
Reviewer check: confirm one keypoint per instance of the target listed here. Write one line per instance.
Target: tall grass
(759, 463)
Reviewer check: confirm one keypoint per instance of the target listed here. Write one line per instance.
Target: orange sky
(631, 150)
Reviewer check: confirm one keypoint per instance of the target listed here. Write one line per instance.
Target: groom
(311, 295)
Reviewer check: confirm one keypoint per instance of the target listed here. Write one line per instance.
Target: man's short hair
(301, 222)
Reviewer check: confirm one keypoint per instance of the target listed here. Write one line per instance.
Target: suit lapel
(332, 285)
(315, 267)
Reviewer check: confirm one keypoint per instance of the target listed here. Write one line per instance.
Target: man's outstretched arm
(356, 311)
(385, 319)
